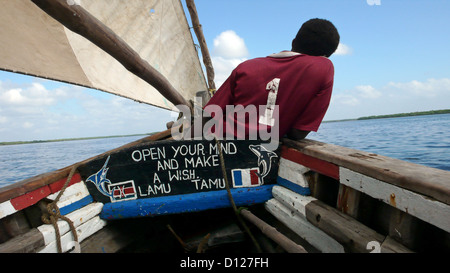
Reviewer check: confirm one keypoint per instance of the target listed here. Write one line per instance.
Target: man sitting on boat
(283, 94)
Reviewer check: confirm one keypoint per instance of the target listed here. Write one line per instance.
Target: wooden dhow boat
(161, 195)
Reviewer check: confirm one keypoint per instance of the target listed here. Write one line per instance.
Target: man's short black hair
(316, 37)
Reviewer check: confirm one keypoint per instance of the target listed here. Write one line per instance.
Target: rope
(230, 196)
(53, 213)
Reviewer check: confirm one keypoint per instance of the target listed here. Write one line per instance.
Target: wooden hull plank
(417, 178)
(6, 208)
(84, 231)
(293, 186)
(31, 198)
(315, 164)
(354, 236)
(431, 211)
(74, 197)
(76, 205)
(185, 203)
(28, 199)
(44, 238)
(298, 224)
(25, 243)
(78, 218)
(57, 186)
(290, 175)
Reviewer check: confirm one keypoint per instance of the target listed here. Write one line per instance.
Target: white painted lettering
(154, 153)
(201, 161)
(171, 164)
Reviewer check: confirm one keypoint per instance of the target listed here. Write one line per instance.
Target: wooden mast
(77, 19)
(203, 46)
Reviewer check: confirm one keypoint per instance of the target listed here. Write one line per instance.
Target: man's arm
(296, 134)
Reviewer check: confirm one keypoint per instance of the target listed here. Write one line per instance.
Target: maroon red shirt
(304, 90)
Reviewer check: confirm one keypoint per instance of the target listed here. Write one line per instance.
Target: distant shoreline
(66, 139)
(411, 114)
(433, 112)
(424, 113)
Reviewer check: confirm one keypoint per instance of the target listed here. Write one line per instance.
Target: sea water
(18, 162)
(422, 140)
(419, 139)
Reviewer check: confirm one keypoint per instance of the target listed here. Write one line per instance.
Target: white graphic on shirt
(267, 118)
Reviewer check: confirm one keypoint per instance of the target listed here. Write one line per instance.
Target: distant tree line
(66, 139)
(433, 112)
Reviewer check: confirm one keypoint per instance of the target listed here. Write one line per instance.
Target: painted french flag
(245, 178)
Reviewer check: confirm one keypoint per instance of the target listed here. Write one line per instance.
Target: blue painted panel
(185, 203)
(76, 205)
(292, 186)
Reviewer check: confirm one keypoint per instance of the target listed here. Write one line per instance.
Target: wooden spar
(203, 46)
(80, 21)
(273, 234)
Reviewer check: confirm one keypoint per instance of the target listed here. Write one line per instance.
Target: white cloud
(35, 94)
(31, 111)
(229, 45)
(343, 49)
(429, 88)
(392, 98)
(223, 68)
(368, 92)
(228, 52)
(27, 125)
(344, 99)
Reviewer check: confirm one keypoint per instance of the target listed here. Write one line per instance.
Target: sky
(393, 58)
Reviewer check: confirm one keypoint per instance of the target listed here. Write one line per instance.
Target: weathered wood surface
(78, 218)
(348, 201)
(391, 246)
(405, 228)
(43, 180)
(83, 231)
(291, 175)
(112, 238)
(272, 233)
(26, 243)
(13, 225)
(231, 233)
(316, 164)
(43, 238)
(80, 21)
(298, 224)
(354, 236)
(431, 211)
(428, 181)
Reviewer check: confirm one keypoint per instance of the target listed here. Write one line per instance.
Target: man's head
(316, 37)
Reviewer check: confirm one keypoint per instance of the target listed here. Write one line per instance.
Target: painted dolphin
(100, 181)
(264, 159)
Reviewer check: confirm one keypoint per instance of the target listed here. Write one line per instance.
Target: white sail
(33, 43)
